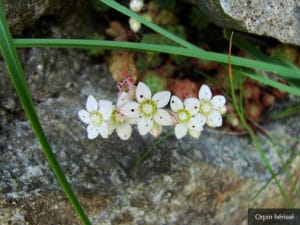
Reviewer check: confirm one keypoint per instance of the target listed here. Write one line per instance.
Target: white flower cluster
(137, 106)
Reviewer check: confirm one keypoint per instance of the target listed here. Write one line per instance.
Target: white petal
(204, 93)
(174, 118)
(122, 99)
(111, 127)
(214, 119)
(91, 104)
(105, 108)
(156, 130)
(180, 130)
(92, 132)
(145, 125)
(142, 92)
(218, 101)
(192, 105)
(103, 130)
(176, 103)
(194, 134)
(222, 109)
(84, 116)
(197, 122)
(132, 120)
(130, 109)
(162, 117)
(200, 118)
(124, 131)
(162, 98)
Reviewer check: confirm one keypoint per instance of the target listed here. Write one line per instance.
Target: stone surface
(23, 14)
(210, 180)
(207, 181)
(42, 67)
(273, 18)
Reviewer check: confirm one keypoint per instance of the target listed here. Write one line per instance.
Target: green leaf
(283, 71)
(16, 73)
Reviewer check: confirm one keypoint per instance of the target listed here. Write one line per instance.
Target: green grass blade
(249, 48)
(287, 112)
(16, 73)
(243, 120)
(289, 161)
(267, 81)
(252, 51)
(115, 5)
(283, 71)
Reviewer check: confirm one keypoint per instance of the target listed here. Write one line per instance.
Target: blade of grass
(251, 50)
(165, 33)
(280, 171)
(283, 71)
(251, 133)
(287, 112)
(273, 143)
(115, 5)
(283, 87)
(281, 148)
(16, 73)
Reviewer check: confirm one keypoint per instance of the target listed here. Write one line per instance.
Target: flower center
(96, 118)
(205, 107)
(148, 108)
(117, 117)
(183, 115)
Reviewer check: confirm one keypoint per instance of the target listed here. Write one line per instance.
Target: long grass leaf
(257, 145)
(254, 52)
(16, 73)
(284, 72)
(267, 81)
(250, 49)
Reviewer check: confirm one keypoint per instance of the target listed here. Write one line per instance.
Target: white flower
(96, 116)
(209, 107)
(148, 109)
(189, 120)
(134, 25)
(128, 87)
(136, 5)
(119, 121)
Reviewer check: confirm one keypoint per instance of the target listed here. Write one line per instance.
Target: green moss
(155, 82)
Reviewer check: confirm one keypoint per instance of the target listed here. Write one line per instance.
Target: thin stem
(16, 73)
(149, 150)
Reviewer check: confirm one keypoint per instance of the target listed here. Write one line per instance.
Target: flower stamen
(205, 107)
(184, 115)
(117, 117)
(148, 108)
(96, 118)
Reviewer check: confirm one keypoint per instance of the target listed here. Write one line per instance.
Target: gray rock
(273, 18)
(190, 181)
(42, 67)
(210, 180)
(23, 14)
